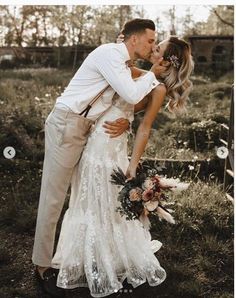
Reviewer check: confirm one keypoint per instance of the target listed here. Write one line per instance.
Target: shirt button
(153, 84)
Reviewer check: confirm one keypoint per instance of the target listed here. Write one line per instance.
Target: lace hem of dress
(68, 279)
(102, 259)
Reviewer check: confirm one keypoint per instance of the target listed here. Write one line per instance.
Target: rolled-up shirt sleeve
(111, 65)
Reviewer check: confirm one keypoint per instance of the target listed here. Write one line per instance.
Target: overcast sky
(198, 12)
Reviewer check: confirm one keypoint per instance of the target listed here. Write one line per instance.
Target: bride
(98, 248)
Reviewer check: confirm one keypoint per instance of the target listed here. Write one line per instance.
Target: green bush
(199, 135)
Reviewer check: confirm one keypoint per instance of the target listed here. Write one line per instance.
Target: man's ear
(133, 39)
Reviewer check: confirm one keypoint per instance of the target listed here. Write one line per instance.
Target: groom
(67, 128)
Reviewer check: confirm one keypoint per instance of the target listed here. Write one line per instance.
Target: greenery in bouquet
(147, 193)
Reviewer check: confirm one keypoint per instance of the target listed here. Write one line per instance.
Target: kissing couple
(85, 139)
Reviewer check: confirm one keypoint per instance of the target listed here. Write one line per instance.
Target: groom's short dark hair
(137, 26)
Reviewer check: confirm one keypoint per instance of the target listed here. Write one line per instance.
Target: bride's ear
(165, 63)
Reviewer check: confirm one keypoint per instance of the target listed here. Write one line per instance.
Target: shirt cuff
(153, 80)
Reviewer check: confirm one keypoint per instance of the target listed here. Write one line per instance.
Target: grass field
(27, 96)
(197, 251)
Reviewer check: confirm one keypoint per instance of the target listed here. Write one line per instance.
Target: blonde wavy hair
(176, 77)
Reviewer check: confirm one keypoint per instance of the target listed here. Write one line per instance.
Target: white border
(116, 2)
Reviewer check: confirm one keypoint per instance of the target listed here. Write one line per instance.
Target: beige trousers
(66, 134)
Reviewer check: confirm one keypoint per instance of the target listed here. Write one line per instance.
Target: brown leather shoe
(49, 282)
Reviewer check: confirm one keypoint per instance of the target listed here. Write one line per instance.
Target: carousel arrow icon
(222, 152)
(9, 152)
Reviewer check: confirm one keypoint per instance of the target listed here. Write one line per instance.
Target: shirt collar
(124, 51)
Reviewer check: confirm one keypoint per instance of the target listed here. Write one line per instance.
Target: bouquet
(147, 193)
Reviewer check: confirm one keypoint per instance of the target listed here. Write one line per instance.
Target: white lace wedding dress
(97, 247)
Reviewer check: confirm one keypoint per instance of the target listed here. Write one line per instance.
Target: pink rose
(147, 195)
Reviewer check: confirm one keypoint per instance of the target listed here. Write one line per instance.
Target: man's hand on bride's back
(117, 127)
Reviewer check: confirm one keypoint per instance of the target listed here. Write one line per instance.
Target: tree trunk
(59, 57)
(75, 57)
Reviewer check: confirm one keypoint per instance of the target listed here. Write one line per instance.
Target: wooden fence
(227, 139)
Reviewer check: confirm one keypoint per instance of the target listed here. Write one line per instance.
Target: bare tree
(219, 22)
(79, 18)
(187, 22)
(224, 19)
(15, 25)
(172, 18)
(124, 13)
(60, 20)
(170, 14)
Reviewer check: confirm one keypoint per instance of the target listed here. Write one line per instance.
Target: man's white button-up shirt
(106, 65)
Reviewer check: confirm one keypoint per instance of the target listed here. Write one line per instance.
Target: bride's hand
(158, 67)
(130, 173)
(120, 38)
